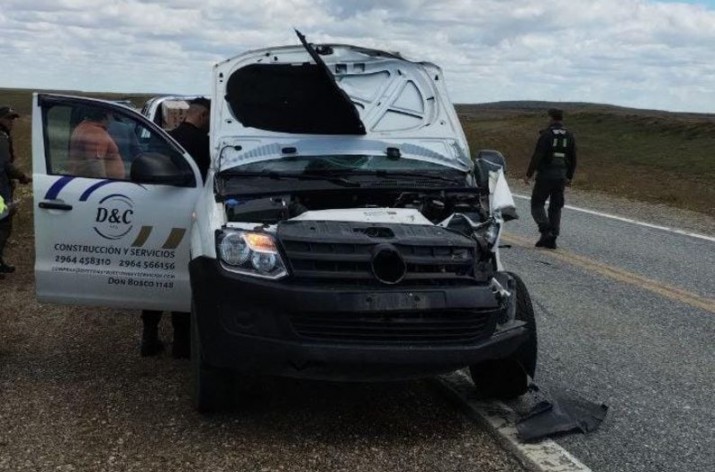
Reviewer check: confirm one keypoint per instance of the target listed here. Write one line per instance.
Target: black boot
(544, 240)
(181, 349)
(150, 345)
(550, 243)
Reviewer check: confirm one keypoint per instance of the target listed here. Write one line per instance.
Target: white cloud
(627, 52)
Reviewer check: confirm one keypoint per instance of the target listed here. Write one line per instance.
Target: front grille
(445, 327)
(337, 252)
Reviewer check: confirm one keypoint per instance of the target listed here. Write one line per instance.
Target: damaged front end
(356, 283)
(356, 235)
(353, 236)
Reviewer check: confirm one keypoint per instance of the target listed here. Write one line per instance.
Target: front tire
(508, 378)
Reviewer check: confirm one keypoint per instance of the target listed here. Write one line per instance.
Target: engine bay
(436, 206)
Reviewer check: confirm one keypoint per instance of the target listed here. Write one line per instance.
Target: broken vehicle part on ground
(343, 232)
(556, 414)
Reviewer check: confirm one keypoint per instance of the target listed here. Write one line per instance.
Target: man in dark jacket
(8, 173)
(193, 133)
(193, 136)
(554, 161)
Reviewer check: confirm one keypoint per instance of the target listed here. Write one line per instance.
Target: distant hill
(535, 105)
(21, 99)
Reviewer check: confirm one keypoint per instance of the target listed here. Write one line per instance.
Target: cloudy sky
(637, 53)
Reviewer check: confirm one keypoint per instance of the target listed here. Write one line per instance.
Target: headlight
(251, 253)
(264, 262)
(234, 249)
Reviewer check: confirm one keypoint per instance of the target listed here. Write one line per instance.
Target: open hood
(292, 98)
(274, 98)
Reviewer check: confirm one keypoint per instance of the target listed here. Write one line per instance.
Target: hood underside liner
(291, 99)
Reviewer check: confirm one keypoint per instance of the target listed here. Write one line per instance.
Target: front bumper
(345, 333)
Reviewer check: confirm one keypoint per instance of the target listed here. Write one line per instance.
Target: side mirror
(487, 160)
(157, 168)
(491, 159)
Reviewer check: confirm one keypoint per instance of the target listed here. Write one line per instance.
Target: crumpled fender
(500, 197)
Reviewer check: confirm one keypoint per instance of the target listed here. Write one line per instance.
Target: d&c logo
(114, 216)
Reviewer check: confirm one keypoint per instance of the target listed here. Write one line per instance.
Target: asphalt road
(626, 317)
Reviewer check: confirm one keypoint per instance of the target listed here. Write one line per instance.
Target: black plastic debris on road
(559, 414)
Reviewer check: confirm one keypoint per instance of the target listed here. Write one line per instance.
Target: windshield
(333, 163)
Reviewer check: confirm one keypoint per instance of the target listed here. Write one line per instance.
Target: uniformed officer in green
(554, 162)
(8, 173)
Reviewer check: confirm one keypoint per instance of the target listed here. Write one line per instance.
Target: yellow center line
(677, 294)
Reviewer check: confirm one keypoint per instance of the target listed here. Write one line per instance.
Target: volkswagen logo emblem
(388, 266)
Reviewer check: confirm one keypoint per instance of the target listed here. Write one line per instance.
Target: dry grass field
(645, 155)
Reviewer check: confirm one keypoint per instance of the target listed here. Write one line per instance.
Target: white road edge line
(498, 418)
(629, 220)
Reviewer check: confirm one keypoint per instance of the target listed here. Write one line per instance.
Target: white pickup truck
(343, 231)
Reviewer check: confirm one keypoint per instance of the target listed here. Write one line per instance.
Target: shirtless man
(93, 152)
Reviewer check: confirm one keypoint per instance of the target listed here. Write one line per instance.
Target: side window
(168, 115)
(88, 140)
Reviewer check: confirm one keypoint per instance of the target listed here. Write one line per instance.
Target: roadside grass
(645, 155)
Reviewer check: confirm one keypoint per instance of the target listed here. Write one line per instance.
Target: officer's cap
(6, 111)
(556, 114)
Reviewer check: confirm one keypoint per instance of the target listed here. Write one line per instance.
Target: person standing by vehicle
(554, 162)
(93, 153)
(192, 135)
(8, 173)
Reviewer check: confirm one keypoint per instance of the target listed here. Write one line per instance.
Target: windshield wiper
(297, 176)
